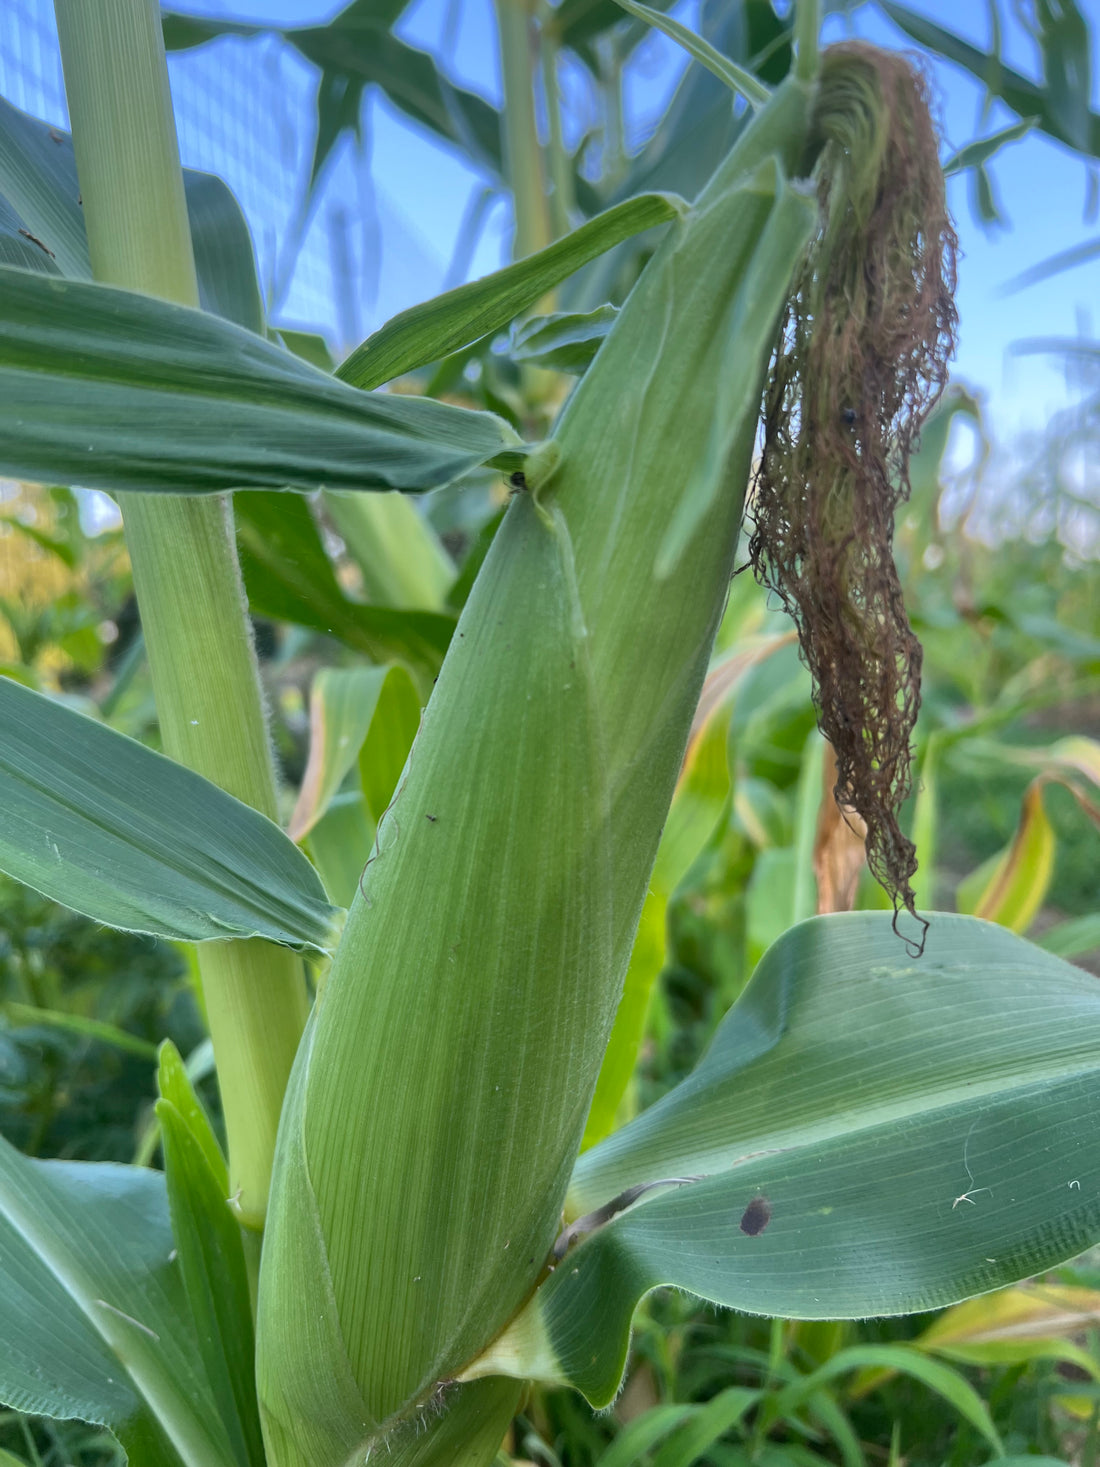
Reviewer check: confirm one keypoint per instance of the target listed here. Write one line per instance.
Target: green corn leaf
(340, 845)
(1060, 107)
(707, 1423)
(25, 1015)
(343, 703)
(288, 576)
(390, 736)
(1072, 938)
(115, 390)
(565, 341)
(1081, 254)
(38, 186)
(925, 826)
(931, 1116)
(175, 1085)
(358, 48)
(948, 1383)
(118, 832)
(637, 1437)
(399, 554)
(211, 1261)
(733, 76)
(425, 333)
(364, 719)
(93, 1314)
(982, 149)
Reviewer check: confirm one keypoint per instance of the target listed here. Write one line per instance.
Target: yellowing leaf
(1011, 887)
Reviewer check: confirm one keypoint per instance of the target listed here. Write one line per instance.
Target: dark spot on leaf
(756, 1216)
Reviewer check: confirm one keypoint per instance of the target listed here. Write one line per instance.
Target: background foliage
(1000, 575)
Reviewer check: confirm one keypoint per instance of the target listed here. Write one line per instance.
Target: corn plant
(405, 1230)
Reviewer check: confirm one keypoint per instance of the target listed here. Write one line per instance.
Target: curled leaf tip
(860, 360)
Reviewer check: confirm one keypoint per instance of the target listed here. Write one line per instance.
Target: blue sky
(396, 214)
(1041, 185)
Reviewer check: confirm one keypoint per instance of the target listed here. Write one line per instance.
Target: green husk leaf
(497, 917)
(489, 872)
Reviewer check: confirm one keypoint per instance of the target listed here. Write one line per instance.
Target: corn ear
(440, 1095)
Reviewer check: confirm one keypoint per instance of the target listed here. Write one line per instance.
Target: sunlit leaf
(425, 333)
(1010, 887)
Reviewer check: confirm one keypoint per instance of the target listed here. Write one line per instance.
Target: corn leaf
(1060, 108)
(211, 1260)
(925, 826)
(343, 704)
(728, 72)
(115, 390)
(400, 556)
(363, 719)
(118, 832)
(175, 1085)
(425, 333)
(959, 1158)
(358, 48)
(565, 341)
(1010, 887)
(93, 1314)
(289, 577)
(340, 845)
(905, 1360)
(981, 150)
(39, 186)
(1072, 938)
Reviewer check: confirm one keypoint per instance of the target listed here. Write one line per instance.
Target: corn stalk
(183, 554)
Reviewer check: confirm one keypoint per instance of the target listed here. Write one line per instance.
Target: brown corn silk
(860, 360)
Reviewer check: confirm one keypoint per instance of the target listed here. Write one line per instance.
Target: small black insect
(433, 818)
(756, 1216)
(849, 417)
(518, 480)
